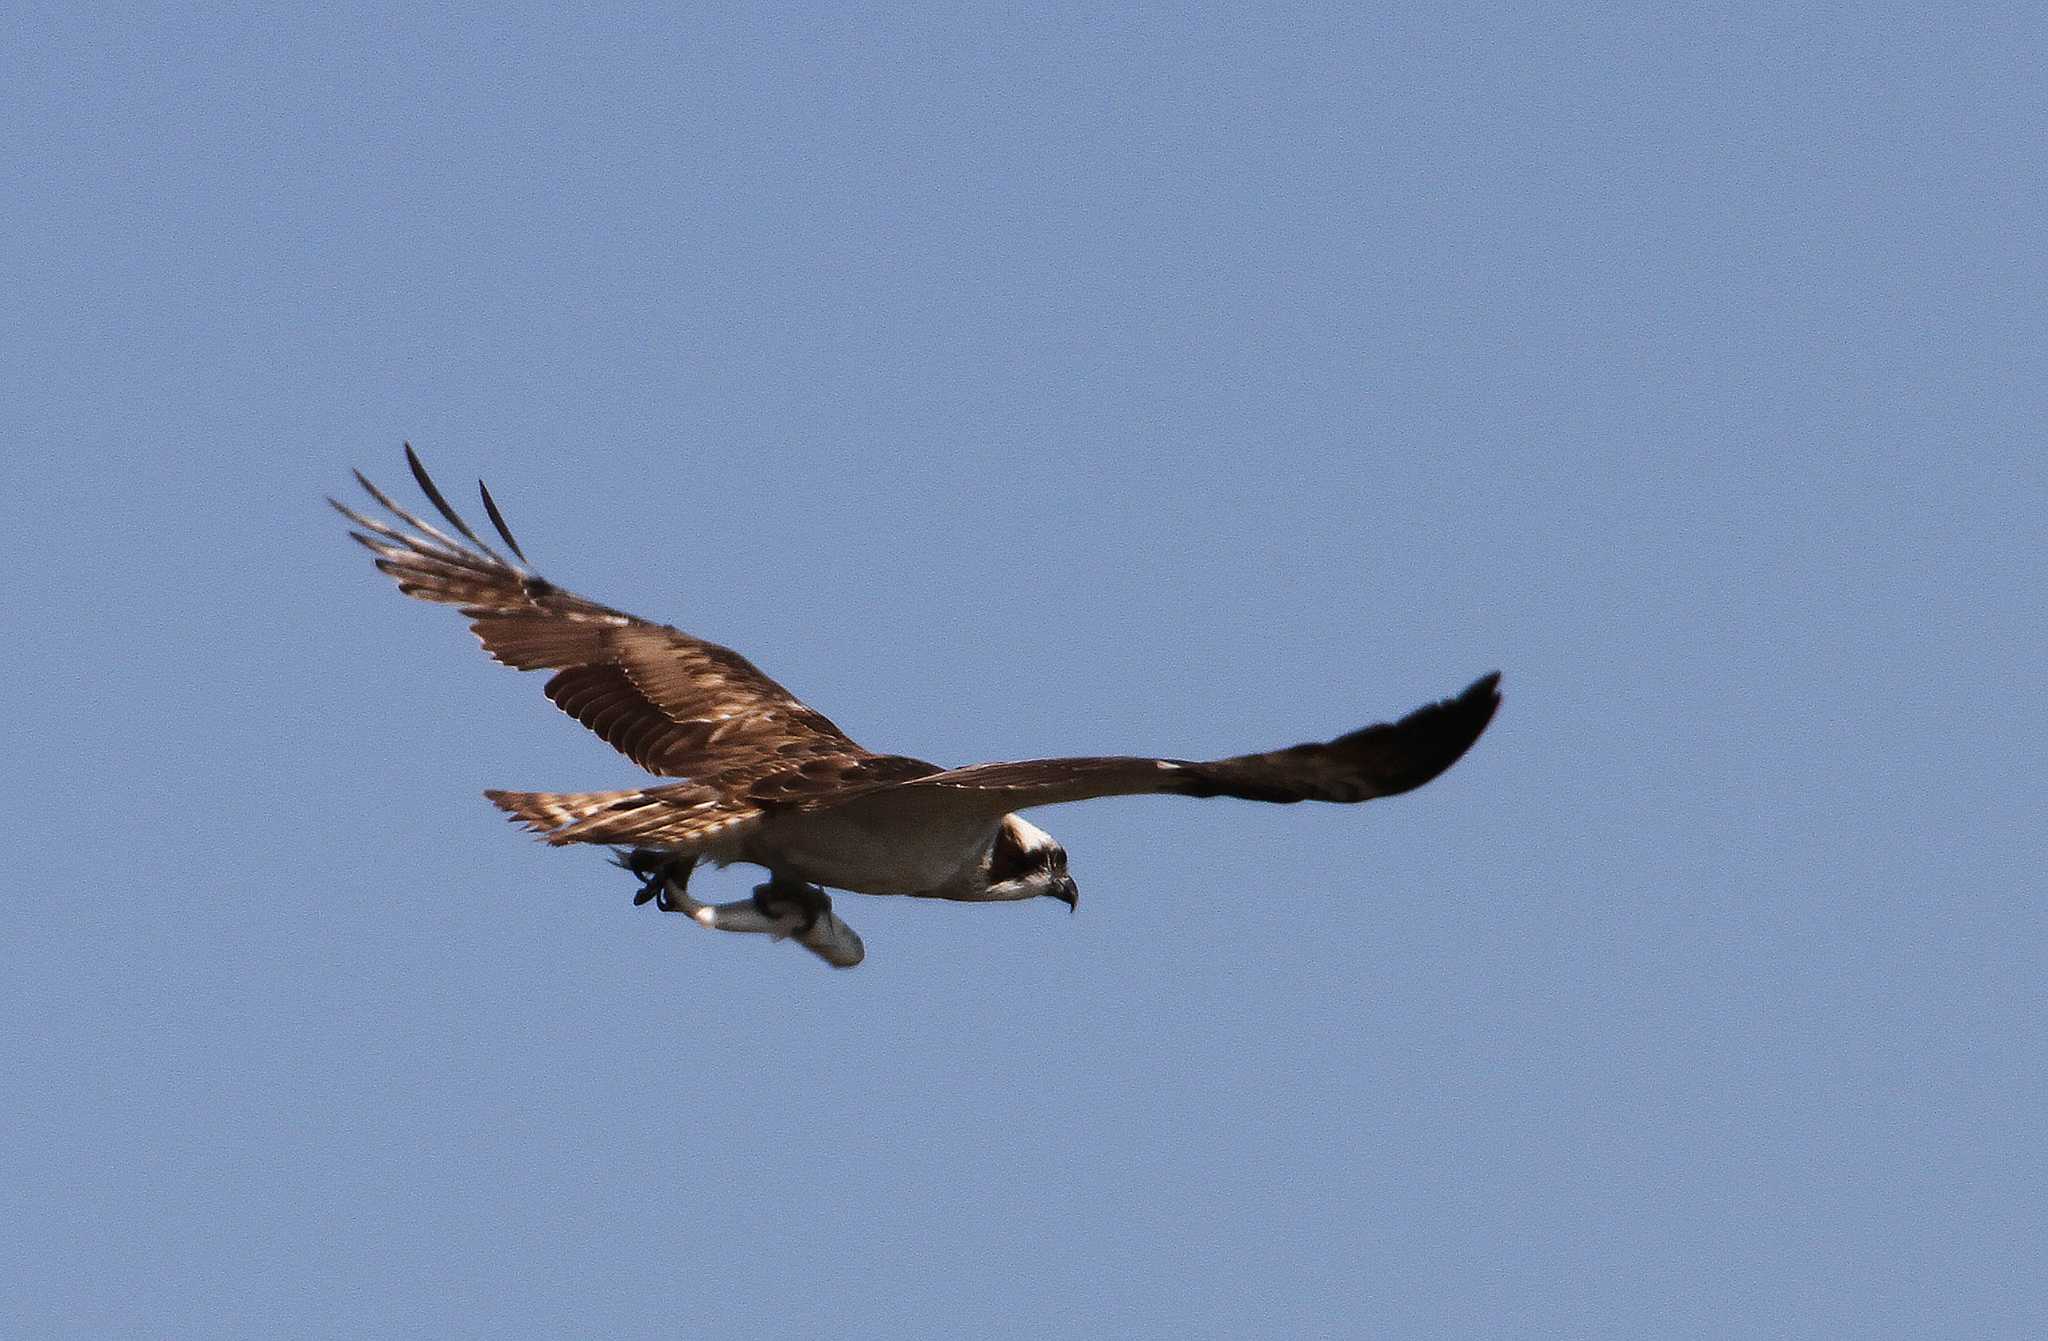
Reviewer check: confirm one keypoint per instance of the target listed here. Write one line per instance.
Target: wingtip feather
(498, 520)
(441, 504)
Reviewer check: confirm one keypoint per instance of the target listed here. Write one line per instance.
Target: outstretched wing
(675, 705)
(1382, 760)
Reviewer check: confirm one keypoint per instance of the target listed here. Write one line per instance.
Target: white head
(1024, 862)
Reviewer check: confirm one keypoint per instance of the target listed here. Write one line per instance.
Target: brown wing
(1382, 760)
(675, 705)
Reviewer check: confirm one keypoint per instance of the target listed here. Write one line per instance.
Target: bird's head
(1025, 862)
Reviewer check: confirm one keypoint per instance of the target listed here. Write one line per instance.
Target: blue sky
(1081, 381)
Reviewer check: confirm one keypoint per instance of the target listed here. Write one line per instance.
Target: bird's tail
(549, 812)
(664, 816)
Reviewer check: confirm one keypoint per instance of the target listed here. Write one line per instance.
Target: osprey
(767, 780)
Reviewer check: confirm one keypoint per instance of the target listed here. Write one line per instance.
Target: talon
(653, 885)
(656, 870)
(775, 900)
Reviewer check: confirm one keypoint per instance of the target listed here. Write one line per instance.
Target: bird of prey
(762, 778)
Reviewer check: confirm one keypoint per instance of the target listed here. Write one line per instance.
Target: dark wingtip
(427, 487)
(1450, 728)
(433, 493)
(1472, 709)
(1423, 745)
(498, 520)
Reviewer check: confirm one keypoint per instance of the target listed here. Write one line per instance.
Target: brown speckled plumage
(747, 751)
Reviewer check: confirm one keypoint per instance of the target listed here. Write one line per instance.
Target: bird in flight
(764, 779)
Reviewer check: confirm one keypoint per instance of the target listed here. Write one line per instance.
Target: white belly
(856, 849)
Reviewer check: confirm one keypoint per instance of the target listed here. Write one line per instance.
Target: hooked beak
(1067, 892)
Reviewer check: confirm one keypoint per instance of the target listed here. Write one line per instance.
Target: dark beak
(1068, 893)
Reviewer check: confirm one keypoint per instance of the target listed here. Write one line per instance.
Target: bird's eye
(1059, 859)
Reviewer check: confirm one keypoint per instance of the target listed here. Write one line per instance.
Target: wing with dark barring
(1381, 760)
(677, 706)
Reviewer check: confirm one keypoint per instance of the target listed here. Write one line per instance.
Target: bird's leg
(656, 870)
(781, 894)
(781, 908)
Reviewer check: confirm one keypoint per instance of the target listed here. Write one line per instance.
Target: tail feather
(678, 816)
(545, 812)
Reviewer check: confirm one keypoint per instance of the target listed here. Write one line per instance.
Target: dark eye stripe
(1009, 860)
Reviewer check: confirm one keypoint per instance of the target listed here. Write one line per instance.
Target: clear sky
(1085, 381)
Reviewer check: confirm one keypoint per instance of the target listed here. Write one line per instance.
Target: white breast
(872, 849)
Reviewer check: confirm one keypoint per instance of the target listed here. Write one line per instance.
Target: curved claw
(775, 899)
(659, 873)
